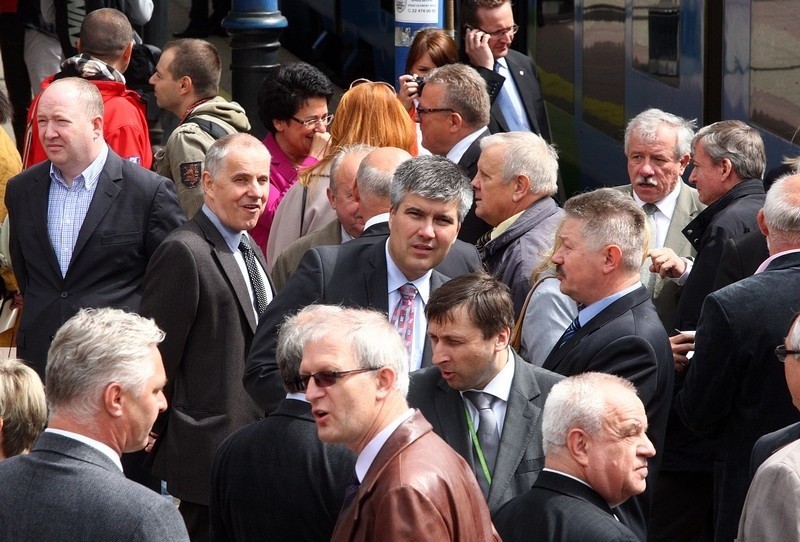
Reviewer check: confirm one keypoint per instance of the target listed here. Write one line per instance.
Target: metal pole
(254, 26)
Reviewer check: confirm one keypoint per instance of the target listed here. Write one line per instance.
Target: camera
(420, 81)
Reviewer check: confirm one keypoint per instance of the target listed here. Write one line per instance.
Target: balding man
(105, 46)
(85, 223)
(735, 390)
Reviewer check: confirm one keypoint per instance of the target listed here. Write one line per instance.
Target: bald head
(779, 220)
(374, 178)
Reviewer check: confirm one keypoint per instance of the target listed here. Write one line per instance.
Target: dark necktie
(259, 291)
(573, 327)
(488, 435)
(480, 245)
(350, 492)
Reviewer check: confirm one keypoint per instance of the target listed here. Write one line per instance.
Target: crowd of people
(381, 322)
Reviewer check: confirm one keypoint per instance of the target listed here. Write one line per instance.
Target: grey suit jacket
(666, 292)
(65, 490)
(287, 261)
(197, 294)
(520, 457)
(132, 211)
(353, 275)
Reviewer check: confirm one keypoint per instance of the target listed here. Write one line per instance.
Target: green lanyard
(477, 445)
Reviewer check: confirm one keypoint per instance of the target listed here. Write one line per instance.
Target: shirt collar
(232, 237)
(370, 451)
(590, 311)
(500, 385)
(765, 264)
(396, 278)
(96, 444)
(666, 205)
(89, 176)
(461, 147)
(377, 219)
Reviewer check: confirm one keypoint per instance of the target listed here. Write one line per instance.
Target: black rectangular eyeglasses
(326, 379)
(781, 352)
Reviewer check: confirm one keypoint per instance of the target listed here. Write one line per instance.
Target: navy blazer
(627, 339)
(520, 457)
(560, 509)
(131, 213)
(352, 274)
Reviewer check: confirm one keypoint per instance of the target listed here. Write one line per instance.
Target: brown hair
(437, 43)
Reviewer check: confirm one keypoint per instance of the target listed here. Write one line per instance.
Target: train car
(604, 61)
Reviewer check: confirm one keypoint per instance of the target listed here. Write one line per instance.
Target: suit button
(689, 232)
(63, 295)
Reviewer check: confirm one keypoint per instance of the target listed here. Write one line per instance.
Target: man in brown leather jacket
(408, 483)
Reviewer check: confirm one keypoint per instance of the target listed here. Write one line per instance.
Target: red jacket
(124, 125)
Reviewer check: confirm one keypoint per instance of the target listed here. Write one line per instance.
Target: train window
(774, 67)
(655, 38)
(555, 51)
(604, 65)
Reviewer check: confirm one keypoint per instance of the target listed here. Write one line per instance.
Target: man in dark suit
(261, 487)
(84, 224)
(735, 390)
(469, 322)
(104, 391)
(511, 78)
(430, 196)
(617, 331)
(207, 287)
(596, 457)
(741, 256)
(453, 112)
(408, 484)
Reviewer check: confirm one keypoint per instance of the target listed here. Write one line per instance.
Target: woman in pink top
(293, 105)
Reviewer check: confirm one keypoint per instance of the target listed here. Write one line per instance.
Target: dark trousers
(198, 13)
(683, 508)
(197, 521)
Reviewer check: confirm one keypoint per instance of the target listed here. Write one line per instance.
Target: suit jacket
(472, 227)
(770, 443)
(627, 339)
(523, 72)
(560, 509)
(288, 260)
(407, 496)
(735, 390)
(666, 292)
(462, 258)
(263, 489)
(353, 275)
(66, 490)
(772, 508)
(741, 257)
(197, 294)
(131, 212)
(520, 457)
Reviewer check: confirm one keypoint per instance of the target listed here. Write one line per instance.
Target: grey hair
(793, 334)
(374, 181)
(646, 124)
(216, 154)
(782, 210)
(374, 342)
(610, 217)
(465, 92)
(526, 153)
(23, 409)
(435, 178)
(292, 337)
(93, 349)
(338, 158)
(736, 141)
(576, 402)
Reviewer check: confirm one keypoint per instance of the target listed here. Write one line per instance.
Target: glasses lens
(325, 379)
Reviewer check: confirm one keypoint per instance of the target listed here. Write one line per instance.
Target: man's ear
(762, 222)
(578, 444)
(186, 84)
(522, 187)
(612, 258)
(112, 400)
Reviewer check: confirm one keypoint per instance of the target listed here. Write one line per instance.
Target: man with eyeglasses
(186, 84)
(408, 484)
(430, 196)
(735, 391)
(517, 101)
(777, 457)
(453, 112)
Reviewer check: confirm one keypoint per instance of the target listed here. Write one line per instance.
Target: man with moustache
(207, 288)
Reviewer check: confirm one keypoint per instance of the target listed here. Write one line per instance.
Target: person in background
(305, 207)
(23, 409)
(431, 48)
(10, 165)
(293, 105)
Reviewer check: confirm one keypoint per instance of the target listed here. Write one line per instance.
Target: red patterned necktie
(403, 314)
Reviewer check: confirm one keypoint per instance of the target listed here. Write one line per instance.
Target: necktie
(350, 492)
(480, 245)
(403, 314)
(488, 435)
(259, 291)
(648, 278)
(511, 112)
(573, 327)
